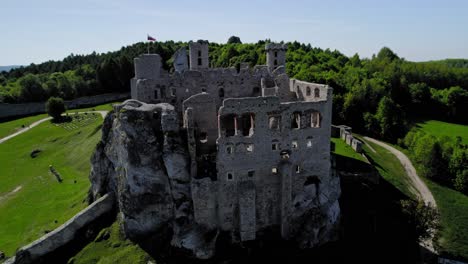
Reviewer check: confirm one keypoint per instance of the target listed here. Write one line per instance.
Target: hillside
(8, 68)
(378, 96)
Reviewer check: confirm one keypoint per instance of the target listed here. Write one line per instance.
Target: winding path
(102, 112)
(424, 192)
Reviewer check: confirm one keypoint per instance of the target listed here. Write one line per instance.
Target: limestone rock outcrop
(142, 161)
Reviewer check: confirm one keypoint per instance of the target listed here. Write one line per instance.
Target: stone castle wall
(64, 234)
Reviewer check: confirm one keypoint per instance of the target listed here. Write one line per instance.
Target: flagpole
(148, 46)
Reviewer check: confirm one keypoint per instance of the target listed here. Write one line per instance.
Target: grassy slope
(390, 168)
(110, 247)
(453, 208)
(43, 203)
(453, 205)
(7, 128)
(441, 129)
(341, 148)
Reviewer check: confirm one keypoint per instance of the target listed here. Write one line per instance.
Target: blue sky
(37, 31)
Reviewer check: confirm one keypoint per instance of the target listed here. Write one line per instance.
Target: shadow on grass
(97, 129)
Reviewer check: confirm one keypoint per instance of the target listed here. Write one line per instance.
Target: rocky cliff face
(143, 161)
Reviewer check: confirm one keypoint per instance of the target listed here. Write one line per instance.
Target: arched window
(315, 119)
(221, 93)
(296, 120)
(276, 62)
(199, 53)
(308, 91)
(316, 92)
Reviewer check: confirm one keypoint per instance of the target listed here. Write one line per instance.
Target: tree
(461, 181)
(234, 40)
(421, 216)
(457, 102)
(31, 88)
(390, 118)
(55, 107)
(435, 164)
(386, 54)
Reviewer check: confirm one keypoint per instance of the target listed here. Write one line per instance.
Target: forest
(382, 96)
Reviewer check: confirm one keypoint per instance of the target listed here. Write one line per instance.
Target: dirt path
(6, 195)
(103, 114)
(424, 192)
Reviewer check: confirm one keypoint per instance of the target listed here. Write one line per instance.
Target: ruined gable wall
(306, 91)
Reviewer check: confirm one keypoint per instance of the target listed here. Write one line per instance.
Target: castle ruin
(258, 141)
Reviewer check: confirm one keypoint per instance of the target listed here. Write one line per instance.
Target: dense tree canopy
(436, 89)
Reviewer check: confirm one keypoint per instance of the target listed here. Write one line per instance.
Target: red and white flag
(150, 38)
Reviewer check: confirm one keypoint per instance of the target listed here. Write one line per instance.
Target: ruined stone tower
(275, 55)
(199, 58)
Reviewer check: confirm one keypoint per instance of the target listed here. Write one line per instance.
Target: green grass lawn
(441, 129)
(343, 149)
(390, 168)
(43, 203)
(112, 248)
(10, 127)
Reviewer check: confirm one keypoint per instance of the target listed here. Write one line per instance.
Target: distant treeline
(378, 96)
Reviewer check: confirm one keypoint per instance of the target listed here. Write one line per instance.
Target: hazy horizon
(53, 29)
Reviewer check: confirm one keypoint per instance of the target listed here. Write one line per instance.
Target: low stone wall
(346, 135)
(65, 233)
(16, 110)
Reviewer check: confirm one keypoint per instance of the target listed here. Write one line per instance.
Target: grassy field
(111, 247)
(390, 168)
(441, 129)
(10, 127)
(32, 201)
(343, 149)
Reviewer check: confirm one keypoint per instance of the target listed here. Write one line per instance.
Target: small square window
(309, 143)
(229, 150)
(298, 169)
(230, 176)
(275, 146)
(294, 144)
(250, 147)
(203, 137)
(274, 170)
(274, 122)
(251, 173)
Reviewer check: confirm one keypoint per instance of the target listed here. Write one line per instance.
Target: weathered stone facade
(259, 142)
